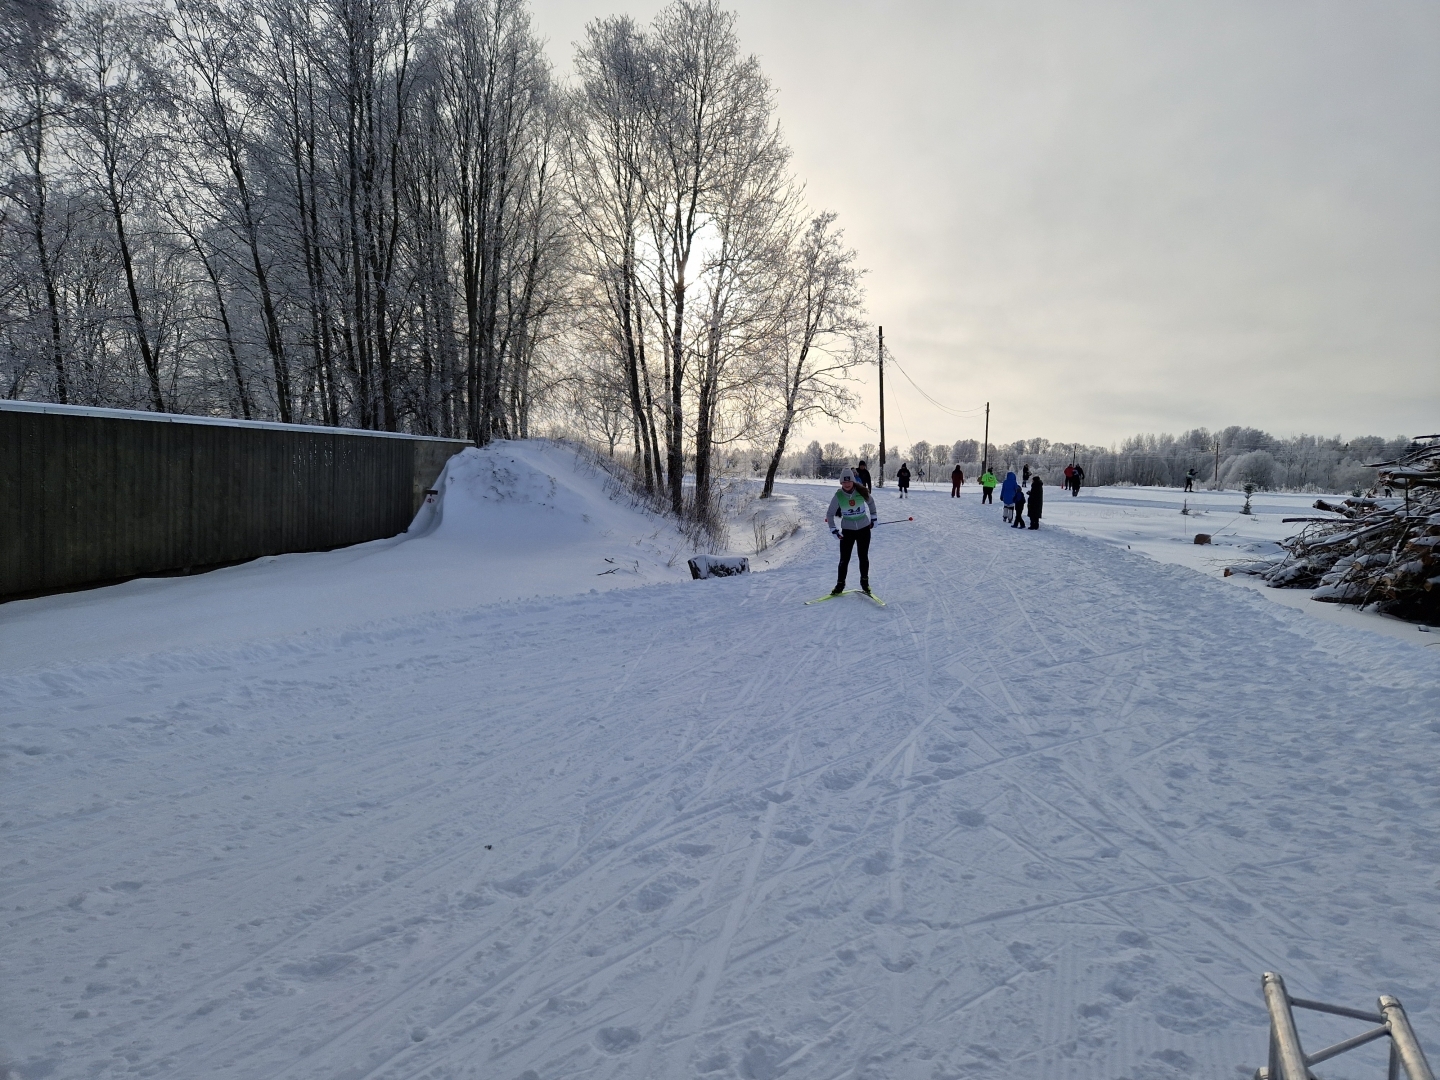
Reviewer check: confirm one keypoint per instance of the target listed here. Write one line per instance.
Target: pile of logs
(1378, 550)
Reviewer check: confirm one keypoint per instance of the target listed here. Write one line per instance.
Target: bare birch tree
(810, 360)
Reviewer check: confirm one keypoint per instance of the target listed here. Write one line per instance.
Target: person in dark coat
(862, 477)
(1035, 502)
(903, 479)
(1018, 502)
(957, 477)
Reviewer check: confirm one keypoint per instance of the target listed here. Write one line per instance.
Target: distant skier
(987, 486)
(1036, 501)
(857, 517)
(1076, 479)
(1007, 495)
(862, 477)
(1190, 480)
(957, 477)
(903, 479)
(1017, 508)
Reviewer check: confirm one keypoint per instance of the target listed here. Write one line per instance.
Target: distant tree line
(1228, 458)
(390, 214)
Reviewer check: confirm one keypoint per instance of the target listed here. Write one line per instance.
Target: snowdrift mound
(537, 512)
(511, 521)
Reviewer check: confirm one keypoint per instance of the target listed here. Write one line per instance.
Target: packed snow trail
(1048, 814)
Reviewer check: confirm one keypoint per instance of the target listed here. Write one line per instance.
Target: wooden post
(985, 453)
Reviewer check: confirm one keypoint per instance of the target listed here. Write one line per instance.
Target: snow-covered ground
(1162, 523)
(381, 813)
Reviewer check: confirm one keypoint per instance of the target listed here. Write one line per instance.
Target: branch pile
(1375, 550)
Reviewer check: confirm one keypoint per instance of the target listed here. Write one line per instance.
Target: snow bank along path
(519, 520)
(1048, 814)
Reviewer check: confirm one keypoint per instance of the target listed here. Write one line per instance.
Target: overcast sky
(1107, 218)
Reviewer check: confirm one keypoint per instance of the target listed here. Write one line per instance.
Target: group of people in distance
(852, 514)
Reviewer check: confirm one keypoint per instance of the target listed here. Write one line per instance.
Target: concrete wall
(89, 496)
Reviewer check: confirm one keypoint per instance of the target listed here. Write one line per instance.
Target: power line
(961, 413)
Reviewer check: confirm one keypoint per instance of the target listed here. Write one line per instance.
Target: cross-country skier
(1190, 480)
(987, 487)
(857, 513)
(903, 479)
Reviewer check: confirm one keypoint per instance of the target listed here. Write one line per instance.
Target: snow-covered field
(383, 813)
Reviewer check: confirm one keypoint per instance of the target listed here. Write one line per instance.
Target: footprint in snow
(877, 863)
(764, 1056)
(616, 1040)
(317, 967)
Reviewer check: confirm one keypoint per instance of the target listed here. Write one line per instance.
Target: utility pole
(881, 481)
(985, 453)
(1217, 462)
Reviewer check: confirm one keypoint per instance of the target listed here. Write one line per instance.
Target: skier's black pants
(988, 495)
(854, 538)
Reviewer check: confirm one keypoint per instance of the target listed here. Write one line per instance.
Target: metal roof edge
(12, 405)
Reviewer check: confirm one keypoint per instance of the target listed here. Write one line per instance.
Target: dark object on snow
(1376, 551)
(708, 566)
(1202, 538)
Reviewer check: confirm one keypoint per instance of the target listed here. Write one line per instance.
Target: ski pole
(897, 521)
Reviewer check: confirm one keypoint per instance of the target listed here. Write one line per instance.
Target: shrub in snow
(708, 566)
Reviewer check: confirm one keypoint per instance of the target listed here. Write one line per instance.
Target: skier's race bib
(853, 508)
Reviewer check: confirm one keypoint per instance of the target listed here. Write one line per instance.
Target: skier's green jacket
(988, 480)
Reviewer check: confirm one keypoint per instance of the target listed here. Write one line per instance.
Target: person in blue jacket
(1007, 494)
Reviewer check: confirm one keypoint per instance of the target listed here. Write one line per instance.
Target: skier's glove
(874, 522)
(835, 532)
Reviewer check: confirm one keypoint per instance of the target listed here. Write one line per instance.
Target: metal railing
(1288, 1060)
